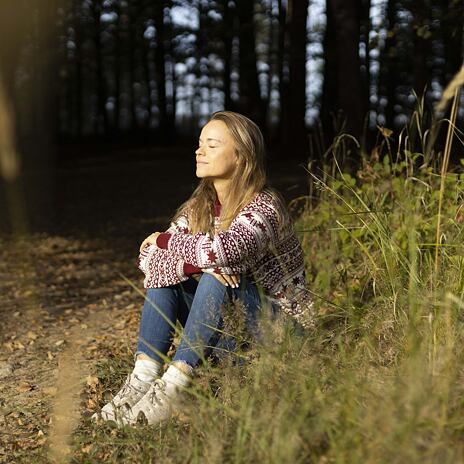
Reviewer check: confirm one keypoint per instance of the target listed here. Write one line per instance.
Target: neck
(222, 188)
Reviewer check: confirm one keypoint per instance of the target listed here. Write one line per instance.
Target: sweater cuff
(162, 240)
(190, 269)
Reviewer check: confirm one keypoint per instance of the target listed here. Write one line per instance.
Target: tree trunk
(297, 138)
(133, 12)
(78, 77)
(160, 67)
(171, 76)
(342, 66)
(388, 66)
(250, 101)
(282, 69)
(101, 121)
(452, 19)
(117, 69)
(228, 36)
(422, 38)
(366, 62)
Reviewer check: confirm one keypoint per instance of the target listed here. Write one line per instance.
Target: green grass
(380, 379)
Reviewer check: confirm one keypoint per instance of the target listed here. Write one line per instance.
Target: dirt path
(63, 309)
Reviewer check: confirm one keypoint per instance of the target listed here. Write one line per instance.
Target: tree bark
(250, 101)
(342, 76)
(228, 37)
(295, 137)
(388, 64)
(160, 67)
(422, 40)
(452, 20)
(101, 121)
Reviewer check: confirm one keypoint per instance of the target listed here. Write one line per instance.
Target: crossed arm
(226, 254)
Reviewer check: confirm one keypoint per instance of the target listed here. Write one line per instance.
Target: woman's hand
(226, 279)
(150, 240)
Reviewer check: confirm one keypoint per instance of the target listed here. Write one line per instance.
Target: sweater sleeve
(162, 268)
(162, 240)
(252, 232)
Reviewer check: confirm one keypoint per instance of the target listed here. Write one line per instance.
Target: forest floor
(71, 297)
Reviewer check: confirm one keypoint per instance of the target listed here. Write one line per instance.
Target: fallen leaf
(24, 387)
(92, 381)
(59, 342)
(32, 335)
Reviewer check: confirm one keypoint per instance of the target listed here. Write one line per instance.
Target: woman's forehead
(215, 130)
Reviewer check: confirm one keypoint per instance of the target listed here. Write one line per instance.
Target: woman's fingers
(226, 279)
(151, 239)
(232, 280)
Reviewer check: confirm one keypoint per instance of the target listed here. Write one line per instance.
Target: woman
(230, 241)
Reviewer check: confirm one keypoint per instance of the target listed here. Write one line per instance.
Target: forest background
(96, 74)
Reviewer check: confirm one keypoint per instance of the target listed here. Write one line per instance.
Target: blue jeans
(197, 306)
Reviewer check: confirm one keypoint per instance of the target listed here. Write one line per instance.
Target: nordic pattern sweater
(257, 243)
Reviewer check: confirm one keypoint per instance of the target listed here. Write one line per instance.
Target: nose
(199, 151)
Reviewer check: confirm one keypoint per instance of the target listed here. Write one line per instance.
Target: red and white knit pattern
(257, 242)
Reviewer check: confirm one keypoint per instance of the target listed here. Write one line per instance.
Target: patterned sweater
(257, 243)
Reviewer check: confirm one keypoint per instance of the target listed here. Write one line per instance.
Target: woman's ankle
(184, 367)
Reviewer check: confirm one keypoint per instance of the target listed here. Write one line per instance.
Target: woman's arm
(161, 267)
(249, 235)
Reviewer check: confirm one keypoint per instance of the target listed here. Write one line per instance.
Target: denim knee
(209, 279)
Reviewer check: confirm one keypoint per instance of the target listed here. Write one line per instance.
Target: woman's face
(216, 158)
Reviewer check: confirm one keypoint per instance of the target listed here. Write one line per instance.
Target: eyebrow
(209, 138)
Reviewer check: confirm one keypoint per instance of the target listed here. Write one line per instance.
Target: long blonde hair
(249, 177)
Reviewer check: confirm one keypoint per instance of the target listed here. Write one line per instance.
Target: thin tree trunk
(170, 103)
(422, 37)
(453, 17)
(228, 36)
(366, 62)
(117, 68)
(133, 19)
(297, 138)
(101, 122)
(388, 63)
(329, 86)
(78, 94)
(250, 101)
(343, 64)
(160, 67)
(282, 68)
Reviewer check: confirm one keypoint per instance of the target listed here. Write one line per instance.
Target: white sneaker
(161, 400)
(156, 406)
(131, 392)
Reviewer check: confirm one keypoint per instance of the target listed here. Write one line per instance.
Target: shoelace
(159, 385)
(126, 387)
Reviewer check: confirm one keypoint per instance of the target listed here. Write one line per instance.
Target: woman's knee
(153, 293)
(210, 280)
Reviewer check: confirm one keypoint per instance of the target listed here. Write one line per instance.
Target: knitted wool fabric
(260, 241)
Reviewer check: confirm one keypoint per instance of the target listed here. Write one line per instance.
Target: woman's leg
(204, 323)
(161, 309)
(201, 331)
